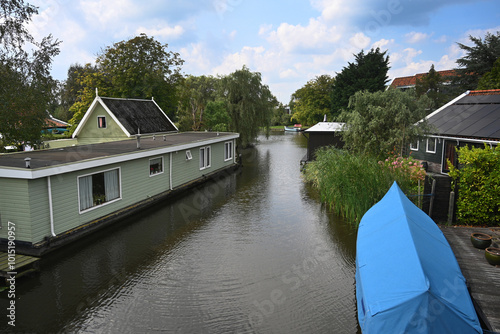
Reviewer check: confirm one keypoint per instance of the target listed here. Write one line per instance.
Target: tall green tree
(26, 86)
(368, 72)
(311, 102)
(194, 95)
(70, 89)
(138, 68)
(478, 60)
(250, 103)
(432, 85)
(384, 121)
(216, 117)
(89, 78)
(491, 79)
(142, 68)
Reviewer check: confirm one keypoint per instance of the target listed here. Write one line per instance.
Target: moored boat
(295, 128)
(407, 277)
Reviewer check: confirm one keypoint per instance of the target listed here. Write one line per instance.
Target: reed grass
(351, 183)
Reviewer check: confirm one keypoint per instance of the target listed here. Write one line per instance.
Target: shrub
(352, 183)
(478, 181)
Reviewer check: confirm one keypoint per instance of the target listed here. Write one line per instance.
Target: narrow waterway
(253, 252)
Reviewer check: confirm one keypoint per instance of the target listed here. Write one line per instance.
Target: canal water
(252, 252)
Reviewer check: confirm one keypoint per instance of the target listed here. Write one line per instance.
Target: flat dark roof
(78, 153)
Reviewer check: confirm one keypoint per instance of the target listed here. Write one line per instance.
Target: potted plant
(492, 255)
(480, 240)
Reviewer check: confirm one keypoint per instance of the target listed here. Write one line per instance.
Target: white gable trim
(164, 114)
(91, 110)
(444, 107)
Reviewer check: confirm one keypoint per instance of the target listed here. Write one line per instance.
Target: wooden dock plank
(483, 278)
(22, 263)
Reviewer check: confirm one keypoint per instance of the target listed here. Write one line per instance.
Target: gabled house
(55, 196)
(408, 82)
(111, 119)
(472, 118)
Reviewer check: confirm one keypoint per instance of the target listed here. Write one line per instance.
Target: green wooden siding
(421, 154)
(14, 207)
(26, 202)
(186, 170)
(91, 133)
(39, 208)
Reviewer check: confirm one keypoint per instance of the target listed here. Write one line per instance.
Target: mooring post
(433, 195)
(451, 207)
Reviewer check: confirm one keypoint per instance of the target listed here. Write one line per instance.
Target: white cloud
(265, 29)
(196, 58)
(106, 14)
(416, 37)
(442, 39)
(334, 10)
(383, 44)
(163, 30)
(360, 40)
(315, 36)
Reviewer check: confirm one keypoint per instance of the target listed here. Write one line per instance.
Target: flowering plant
(405, 167)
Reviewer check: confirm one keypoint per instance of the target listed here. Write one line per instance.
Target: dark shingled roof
(139, 114)
(475, 115)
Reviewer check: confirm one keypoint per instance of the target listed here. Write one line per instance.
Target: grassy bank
(351, 184)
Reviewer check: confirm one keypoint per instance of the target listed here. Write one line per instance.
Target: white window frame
(105, 122)
(427, 145)
(189, 156)
(229, 150)
(162, 166)
(206, 159)
(105, 203)
(413, 148)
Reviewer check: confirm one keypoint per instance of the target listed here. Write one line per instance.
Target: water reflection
(252, 252)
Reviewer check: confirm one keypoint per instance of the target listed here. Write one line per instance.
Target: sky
(288, 42)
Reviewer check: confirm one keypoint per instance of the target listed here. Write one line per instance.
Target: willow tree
(250, 104)
(386, 121)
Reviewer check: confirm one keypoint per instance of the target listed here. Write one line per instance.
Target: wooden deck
(22, 265)
(483, 278)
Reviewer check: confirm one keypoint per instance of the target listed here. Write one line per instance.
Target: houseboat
(471, 119)
(55, 196)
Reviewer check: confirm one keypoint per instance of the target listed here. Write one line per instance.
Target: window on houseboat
(431, 145)
(98, 189)
(228, 150)
(414, 145)
(156, 166)
(204, 157)
(101, 122)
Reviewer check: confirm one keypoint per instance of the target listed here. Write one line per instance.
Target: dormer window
(101, 122)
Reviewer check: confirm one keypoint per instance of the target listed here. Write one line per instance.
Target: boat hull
(407, 277)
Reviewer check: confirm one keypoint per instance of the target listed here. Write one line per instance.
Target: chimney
(138, 139)
(28, 162)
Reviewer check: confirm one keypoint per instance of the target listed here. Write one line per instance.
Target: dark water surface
(253, 252)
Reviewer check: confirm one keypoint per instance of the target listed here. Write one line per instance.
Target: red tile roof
(484, 92)
(410, 81)
(53, 123)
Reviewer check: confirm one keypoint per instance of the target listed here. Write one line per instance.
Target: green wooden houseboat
(57, 195)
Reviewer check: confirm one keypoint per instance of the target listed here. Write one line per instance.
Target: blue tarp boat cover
(407, 277)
